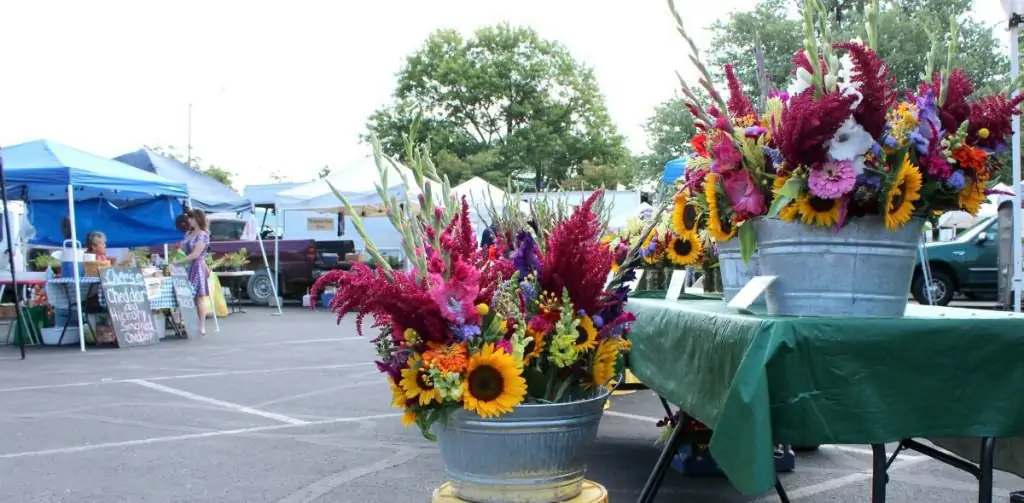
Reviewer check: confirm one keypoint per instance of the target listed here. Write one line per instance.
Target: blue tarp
(41, 170)
(142, 224)
(673, 170)
(207, 194)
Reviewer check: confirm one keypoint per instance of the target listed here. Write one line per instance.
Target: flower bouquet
(662, 250)
(482, 348)
(852, 171)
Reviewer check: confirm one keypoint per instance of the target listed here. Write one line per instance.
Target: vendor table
(236, 287)
(62, 296)
(756, 380)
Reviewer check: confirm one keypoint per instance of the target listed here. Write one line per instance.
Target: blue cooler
(326, 298)
(68, 261)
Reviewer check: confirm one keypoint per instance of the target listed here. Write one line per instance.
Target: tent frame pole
(74, 266)
(266, 263)
(22, 323)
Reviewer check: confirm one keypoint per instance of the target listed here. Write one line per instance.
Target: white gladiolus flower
(850, 142)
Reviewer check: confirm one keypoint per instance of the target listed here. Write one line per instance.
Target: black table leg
(879, 477)
(988, 447)
(672, 446)
(783, 497)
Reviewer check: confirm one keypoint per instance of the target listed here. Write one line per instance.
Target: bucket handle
(71, 242)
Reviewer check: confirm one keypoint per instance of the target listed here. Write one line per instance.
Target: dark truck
(300, 261)
(967, 265)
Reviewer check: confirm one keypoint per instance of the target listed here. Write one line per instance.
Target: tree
(213, 171)
(501, 104)
(669, 132)
(905, 29)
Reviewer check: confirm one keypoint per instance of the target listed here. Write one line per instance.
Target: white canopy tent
(482, 195)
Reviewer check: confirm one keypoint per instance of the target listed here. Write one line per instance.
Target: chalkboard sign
(186, 299)
(128, 306)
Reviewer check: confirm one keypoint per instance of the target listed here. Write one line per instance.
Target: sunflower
(397, 395)
(586, 335)
(899, 202)
(721, 229)
(494, 383)
(409, 418)
(684, 249)
(817, 211)
(535, 347)
(654, 247)
(684, 214)
(790, 211)
(972, 196)
(416, 382)
(602, 367)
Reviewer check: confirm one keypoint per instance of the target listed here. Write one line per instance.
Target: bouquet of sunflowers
(531, 321)
(839, 144)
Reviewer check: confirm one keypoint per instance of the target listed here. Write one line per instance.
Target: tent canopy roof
(42, 170)
(357, 182)
(207, 194)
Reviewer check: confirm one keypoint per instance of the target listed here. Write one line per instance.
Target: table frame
(880, 460)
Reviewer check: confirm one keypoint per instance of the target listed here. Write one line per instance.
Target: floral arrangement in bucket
(529, 323)
(838, 144)
(849, 148)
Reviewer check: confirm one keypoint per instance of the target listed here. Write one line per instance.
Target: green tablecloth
(938, 372)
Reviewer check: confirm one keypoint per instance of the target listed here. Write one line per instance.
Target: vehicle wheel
(260, 288)
(942, 289)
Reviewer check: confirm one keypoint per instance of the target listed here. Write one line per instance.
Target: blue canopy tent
(674, 169)
(44, 174)
(206, 193)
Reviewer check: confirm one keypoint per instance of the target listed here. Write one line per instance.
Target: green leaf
(748, 241)
(785, 195)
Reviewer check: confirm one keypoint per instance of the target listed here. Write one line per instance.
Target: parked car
(967, 265)
(300, 261)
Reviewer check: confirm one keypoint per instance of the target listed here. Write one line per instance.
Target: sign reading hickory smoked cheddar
(128, 306)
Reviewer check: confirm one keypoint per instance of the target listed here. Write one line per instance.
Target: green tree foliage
(905, 32)
(211, 170)
(504, 105)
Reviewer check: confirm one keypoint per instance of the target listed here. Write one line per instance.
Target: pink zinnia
(832, 180)
(747, 199)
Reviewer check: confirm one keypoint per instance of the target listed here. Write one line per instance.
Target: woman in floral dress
(196, 241)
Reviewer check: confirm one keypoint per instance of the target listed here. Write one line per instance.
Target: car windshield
(975, 229)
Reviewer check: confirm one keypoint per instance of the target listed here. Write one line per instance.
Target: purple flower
(598, 321)
(873, 181)
(876, 150)
(890, 141)
(929, 126)
(466, 332)
(834, 180)
(781, 95)
(754, 131)
(525, 258)
(955, 181)
(529, 291)
(773, 154)
(919, 141)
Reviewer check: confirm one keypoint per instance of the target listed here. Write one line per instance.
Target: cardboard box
(7, 310)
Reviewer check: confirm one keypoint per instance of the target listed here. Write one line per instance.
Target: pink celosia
(832, 180)
(747, 199)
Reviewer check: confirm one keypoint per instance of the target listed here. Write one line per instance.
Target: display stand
(592, 493)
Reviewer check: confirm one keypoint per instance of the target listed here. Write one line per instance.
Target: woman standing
(196, 241)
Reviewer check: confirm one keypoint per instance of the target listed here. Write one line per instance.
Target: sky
(286, 87)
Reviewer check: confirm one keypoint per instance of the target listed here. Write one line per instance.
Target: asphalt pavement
(290, 409)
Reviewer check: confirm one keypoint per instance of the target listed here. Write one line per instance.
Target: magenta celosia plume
(876, 87)
(575, 259)
(739, 105)
(809, 124)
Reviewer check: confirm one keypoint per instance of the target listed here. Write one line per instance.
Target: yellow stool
(592, 493)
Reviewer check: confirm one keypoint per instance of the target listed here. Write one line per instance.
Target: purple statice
(955, 181)
(919, 141)
(528, 290)
(774, 155)
(890, 141)
(526, 259)
(876, 150)
(873, 181)
(598, 321)
(783, 96)
(466, 332)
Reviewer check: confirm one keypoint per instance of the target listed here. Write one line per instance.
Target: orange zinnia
(447, 358)
(970, 157)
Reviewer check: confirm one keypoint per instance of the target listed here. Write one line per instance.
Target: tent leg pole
(266, 263)
(276, 278)
(74, 266)
(1016, 275)
(22, 323)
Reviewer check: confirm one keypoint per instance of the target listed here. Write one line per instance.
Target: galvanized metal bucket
(533, 455)
(736, 273)
(864, 269)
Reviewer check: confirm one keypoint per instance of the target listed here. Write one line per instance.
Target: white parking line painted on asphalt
(219, 403)
(190, 436)
(626, 415)
(185, 376)
(904, 456)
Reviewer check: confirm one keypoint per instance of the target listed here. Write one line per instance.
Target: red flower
(574, 260)
(876, 86)
(992, 113)
(700, 144)
(808, 125)
(739, 105)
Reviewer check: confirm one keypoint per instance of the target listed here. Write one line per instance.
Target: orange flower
(447, 358)
(970, 157)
